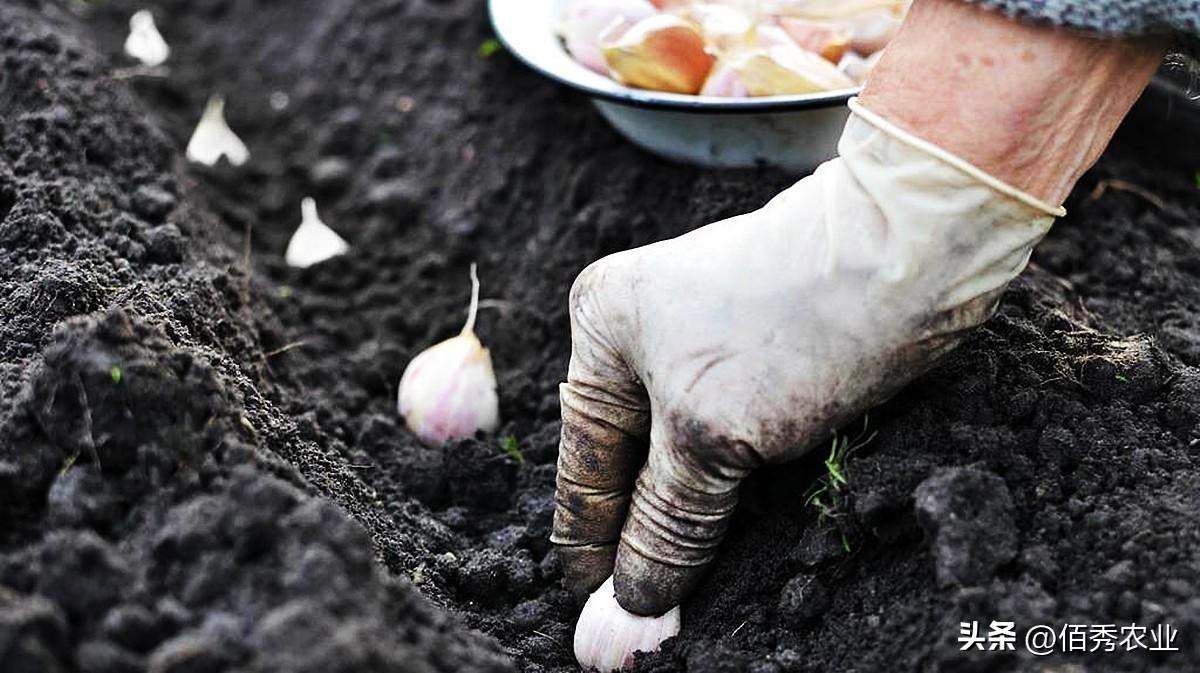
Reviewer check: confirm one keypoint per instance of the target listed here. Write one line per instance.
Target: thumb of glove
(682, 503)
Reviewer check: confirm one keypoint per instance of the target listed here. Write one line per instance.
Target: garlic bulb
(145, 43)
(449, 390)
(313, 240)
(213, 138)
(606, 635)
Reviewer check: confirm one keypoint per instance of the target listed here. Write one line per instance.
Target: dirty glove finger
(605, 423)
(681, 507)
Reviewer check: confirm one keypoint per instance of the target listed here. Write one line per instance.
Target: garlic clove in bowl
(662, 52)
(786, 69)
(587, 22)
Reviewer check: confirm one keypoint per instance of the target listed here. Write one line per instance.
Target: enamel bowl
(795, 133)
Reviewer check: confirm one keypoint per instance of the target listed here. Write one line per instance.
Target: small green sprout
(827, 495)
(1197, 179)
(115, 374)
(489, 47)
(284, 292)
(1122, 378)
(510, 446)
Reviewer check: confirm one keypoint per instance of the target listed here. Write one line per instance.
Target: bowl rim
(659, 100)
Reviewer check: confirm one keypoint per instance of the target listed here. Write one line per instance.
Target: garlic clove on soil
(313, 241)
(662, 52)
(448, 391)
(213, 138)
(587, 22)
(145, 43)
(606, 635)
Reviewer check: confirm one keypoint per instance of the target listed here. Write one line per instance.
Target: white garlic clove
(606, 635)
(587, 22)
(145, 43)
(313, 241)
(449, 390)
(213, 138)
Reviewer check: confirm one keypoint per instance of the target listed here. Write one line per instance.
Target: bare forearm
(1032, 105)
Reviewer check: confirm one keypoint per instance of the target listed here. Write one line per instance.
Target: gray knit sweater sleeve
(1110, 17)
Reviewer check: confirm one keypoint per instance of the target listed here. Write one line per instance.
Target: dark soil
(202, 469)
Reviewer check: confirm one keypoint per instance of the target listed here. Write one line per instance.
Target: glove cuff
(897, 133)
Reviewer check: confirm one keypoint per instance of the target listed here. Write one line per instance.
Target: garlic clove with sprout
(313, 241)
(662, 52)
(213, 138)
(606, 635)
(587, 22)
(448, 391)
(145, 43)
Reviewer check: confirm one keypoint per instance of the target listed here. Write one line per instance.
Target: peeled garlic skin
(449, 391)
(662, 53)
(606, 635)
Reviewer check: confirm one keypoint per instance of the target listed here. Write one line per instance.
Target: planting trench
(202, 469)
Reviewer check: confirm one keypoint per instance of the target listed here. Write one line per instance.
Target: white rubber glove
(747, 342)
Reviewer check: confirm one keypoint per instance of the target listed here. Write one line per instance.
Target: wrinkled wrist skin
(1032, 105)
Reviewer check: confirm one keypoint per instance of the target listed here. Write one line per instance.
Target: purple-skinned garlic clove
(448, 391)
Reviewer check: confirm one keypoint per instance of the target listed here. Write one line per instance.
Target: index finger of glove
(605, 424)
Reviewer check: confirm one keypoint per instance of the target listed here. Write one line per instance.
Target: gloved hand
(747, 342)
